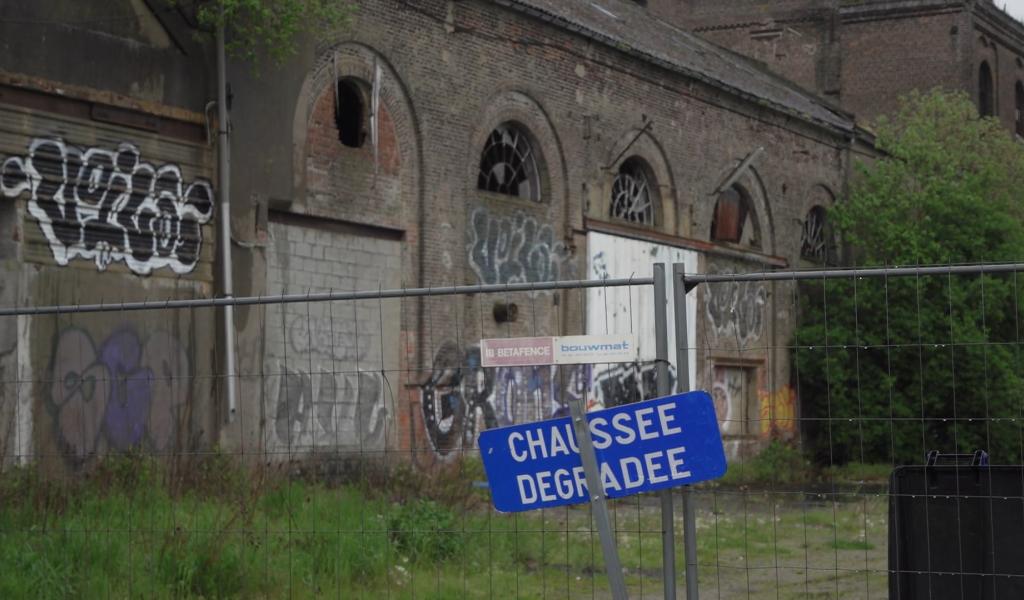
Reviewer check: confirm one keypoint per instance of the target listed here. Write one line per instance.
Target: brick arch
(645, 146)
(521, 109)
(818, 195)
(754, 187)
(400, 158)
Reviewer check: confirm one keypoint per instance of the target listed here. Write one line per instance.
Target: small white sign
(565, 350)
(583, 349)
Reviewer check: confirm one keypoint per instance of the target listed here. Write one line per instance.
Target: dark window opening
(632, 198)
(348, 113)
(815, 238)
(734, 221)
(1019, 108)
(508, 164)
(985, 98)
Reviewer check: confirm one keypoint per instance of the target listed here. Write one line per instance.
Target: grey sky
(1014, 7)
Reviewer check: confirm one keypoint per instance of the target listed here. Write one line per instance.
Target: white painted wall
(631, 309)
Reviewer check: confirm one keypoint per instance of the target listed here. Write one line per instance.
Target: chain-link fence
(347, 466)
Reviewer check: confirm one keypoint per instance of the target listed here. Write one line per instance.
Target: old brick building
(429, 142)
(865, 54)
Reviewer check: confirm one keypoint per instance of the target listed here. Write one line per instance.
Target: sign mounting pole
(683, 377)
(668, 537)
(598, 502)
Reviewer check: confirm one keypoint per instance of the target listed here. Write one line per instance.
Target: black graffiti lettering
(50, 182)
(629, 382)
(330, 401)
(459, 393)
(109, 205)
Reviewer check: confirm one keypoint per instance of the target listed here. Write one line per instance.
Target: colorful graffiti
(122, 393)
(109, 206)
(460, 397)
(731, 391)
(515, 250)
(778, 412)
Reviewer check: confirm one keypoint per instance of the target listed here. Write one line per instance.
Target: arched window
(816, 238)
(985, 97)
(734, 220)
(1018, 103)
(349, 111)
(634, 193)
(508, 164)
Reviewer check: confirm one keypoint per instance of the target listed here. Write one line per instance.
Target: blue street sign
(641, 447)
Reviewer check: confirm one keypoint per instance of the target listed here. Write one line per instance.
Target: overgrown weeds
(781, 464)
(212, 528)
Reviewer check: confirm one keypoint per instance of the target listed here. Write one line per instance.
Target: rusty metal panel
(105, 197)
(730, 213)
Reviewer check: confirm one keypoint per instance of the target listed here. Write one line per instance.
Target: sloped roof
(628, 27)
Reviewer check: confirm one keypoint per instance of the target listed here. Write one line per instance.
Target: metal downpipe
(224, 183)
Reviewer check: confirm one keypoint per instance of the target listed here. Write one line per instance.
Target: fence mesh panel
(350, 468)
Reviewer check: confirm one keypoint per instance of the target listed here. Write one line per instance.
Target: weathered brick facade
(451, 72)
(329, 193)
(865, 55)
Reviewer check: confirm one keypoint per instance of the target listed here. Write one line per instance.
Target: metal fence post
(668, 537)
(599, 504)
(683, 377)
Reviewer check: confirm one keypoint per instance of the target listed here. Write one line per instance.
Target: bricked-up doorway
(324, 388)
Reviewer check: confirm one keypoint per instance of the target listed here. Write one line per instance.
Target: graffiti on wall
(320, 336)
(730, 390)
(330, 409)
(110, 206)
(628, 382)
(736, 309)
(515, 250)
(121, 393)
(778, 412)
(460, 397)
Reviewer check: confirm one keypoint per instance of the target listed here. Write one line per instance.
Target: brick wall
(884, 59)
(868, 54)
(1001, 45)
(327, 364)
(454, 71)
(797, 51)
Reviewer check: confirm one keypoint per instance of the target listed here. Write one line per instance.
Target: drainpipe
(224, 176)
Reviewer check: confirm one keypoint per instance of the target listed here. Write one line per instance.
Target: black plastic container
(956, 532)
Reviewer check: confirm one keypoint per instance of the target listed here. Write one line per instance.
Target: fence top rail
(692, 279)
(325, 296)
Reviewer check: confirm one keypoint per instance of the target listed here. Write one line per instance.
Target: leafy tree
(891, 368)
(258, 28)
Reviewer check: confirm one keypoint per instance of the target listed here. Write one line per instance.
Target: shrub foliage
(891, 368)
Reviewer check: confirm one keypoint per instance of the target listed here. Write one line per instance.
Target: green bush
(778, 463)
(424, 530)
(889, 369)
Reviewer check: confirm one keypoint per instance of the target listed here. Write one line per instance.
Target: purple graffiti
(128, 405)
(121, 394)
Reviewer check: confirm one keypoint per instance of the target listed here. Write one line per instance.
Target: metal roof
(627, 27)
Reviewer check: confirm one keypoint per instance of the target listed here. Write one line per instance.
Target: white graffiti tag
(109, 206)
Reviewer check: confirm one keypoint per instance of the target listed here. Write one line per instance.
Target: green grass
(131, 529)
